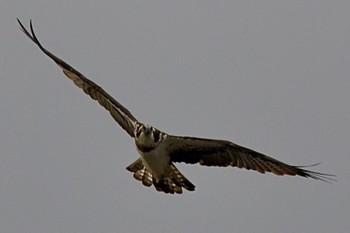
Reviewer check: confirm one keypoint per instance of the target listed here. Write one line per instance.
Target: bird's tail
(171, 183)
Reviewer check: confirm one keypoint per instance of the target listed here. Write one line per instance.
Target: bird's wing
(209, 152)
(125, 119)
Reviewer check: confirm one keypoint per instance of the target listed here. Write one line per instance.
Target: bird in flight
(159, 151)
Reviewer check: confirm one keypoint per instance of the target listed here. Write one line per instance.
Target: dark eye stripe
(156, 134)
(138, 131)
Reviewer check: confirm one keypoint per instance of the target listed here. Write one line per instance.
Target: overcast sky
(273, 76)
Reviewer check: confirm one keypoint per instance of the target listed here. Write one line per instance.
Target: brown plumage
(158, 150)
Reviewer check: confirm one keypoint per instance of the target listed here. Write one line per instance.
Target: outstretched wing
(125, 119)
(208, 152)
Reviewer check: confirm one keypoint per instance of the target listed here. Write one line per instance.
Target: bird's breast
(156, 161)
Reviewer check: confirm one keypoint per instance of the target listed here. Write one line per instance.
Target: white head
(146, 137)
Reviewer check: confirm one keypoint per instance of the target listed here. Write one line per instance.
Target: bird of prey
(159, 151)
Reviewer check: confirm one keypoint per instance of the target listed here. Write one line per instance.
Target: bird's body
(155, 162)
(153, 157)
(159, 150)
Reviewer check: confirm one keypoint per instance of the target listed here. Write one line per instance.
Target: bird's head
(146, 137)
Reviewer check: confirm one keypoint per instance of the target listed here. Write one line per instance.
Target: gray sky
(269, 75)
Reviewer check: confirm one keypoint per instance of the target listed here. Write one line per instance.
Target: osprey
(159, 150)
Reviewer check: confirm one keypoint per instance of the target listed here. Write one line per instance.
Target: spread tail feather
(171, 183)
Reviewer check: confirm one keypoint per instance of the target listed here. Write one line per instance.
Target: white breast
(156, 161)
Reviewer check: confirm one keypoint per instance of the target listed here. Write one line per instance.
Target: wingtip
(328, 178)
(20, 24)
(31, 26)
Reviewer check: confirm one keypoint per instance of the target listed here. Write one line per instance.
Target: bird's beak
(148, 130)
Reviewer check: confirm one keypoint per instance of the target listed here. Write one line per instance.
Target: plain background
(269, 75)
